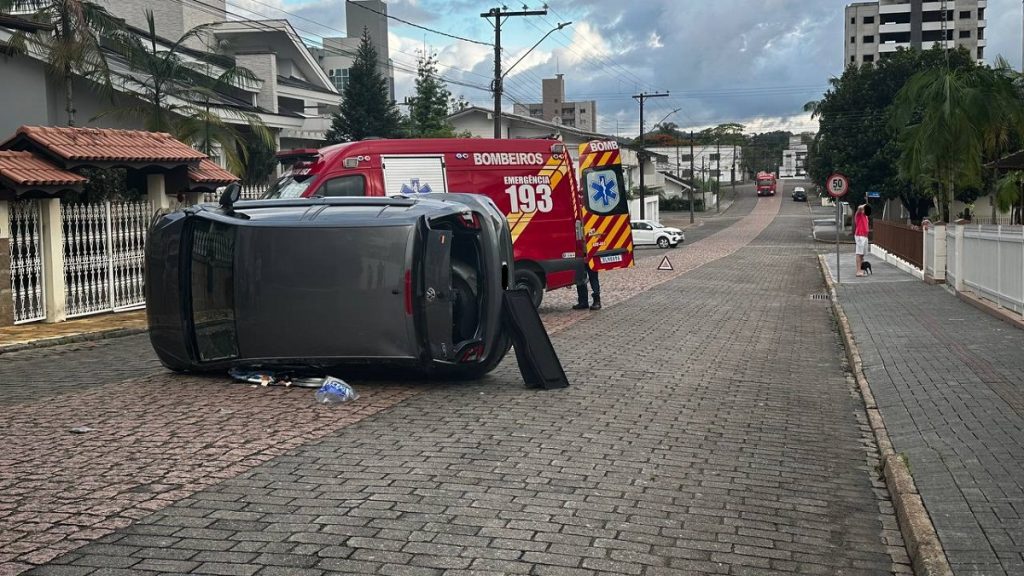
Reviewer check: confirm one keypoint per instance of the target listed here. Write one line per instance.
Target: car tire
(663, 242)
(530, 281)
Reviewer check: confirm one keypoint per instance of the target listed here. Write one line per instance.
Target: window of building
(965, 14)
(853, 20)
(714, 157)
(869, 39)
(965, 33)
(869, 19)
(339, 78)
(853, 39)
(981, 52)
(853, 59)
(868, 58)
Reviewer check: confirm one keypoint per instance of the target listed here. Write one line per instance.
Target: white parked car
(651, 233)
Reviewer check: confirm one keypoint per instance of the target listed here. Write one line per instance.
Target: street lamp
(527, 53)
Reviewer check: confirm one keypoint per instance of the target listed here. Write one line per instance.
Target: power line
(421, 27)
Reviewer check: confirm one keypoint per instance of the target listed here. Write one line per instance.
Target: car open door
(608, 234)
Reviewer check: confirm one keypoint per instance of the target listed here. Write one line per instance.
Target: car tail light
(408, 292)
(473, 353)
(470, 220)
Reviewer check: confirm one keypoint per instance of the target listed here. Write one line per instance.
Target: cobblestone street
(710, 429)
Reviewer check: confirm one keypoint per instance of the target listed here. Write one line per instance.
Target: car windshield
(764, 182)
(289, 186)
(656, 225)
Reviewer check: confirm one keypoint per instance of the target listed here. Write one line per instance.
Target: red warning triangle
(665, 265)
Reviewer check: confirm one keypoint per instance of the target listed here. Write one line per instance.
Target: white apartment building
(554, 108)
(337, 54)
(794, 159)
(876, 29)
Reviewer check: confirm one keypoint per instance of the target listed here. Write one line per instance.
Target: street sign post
(837, 187)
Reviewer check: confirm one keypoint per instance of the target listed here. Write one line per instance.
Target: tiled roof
(107, 145)
(207, 172)
(26, 169)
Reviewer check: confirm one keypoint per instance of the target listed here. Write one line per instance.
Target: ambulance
(558, 227)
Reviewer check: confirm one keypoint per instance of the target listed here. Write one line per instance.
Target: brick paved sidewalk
(949, 381)
(40, 333)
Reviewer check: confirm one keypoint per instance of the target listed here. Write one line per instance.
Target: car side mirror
(232, 193)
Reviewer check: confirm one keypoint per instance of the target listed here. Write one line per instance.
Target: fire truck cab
(533, 182)
(766, 184)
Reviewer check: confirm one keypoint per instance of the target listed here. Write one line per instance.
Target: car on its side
(369, 283)
(653, 233)
(799, 194)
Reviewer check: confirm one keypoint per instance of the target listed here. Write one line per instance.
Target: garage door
(414, 174)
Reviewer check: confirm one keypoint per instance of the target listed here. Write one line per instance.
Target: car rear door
(437, 288)
(609, 236)
(414, 174)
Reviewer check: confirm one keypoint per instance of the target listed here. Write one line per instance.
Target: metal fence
(104, 245)
(901, 240)
(27, 287)
(253, 192)
(993, 264)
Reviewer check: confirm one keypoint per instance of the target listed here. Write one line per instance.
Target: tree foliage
(430, 107)
(367, 109)
(856, 136)
(74, 45)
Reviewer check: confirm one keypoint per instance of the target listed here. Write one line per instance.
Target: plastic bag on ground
(335, 391)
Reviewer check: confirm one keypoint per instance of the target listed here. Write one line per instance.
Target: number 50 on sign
(838, 185)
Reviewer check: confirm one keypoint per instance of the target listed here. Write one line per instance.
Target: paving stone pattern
(716, 434)
(949, 381)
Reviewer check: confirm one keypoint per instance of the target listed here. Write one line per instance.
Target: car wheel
(530, 281)
(663, 242)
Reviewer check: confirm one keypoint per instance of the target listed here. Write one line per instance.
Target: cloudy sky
(750, 61)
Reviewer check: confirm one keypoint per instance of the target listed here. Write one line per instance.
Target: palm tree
(179, 96)
(947, 120)
(73, 46)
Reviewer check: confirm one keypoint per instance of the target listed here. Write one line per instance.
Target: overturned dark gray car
(367, 283)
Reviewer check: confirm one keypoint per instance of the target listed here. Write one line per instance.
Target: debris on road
(335, 391)
(81, 430)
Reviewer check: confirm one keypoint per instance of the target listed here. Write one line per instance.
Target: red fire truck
(533, 182)
(766, 183)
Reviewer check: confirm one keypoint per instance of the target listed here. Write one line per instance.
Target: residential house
(293, 96)
(709, 162)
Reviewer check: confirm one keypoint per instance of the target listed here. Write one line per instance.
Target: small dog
(865, 267)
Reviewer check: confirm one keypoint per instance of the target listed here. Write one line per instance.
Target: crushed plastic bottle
(335, 391)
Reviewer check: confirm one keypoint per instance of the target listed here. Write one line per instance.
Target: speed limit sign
(838, 185)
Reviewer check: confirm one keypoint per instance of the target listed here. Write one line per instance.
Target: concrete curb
(923, 546)
(990, 308)
(71, 339)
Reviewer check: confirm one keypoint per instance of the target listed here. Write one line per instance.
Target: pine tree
(367, 108)
(428, 110)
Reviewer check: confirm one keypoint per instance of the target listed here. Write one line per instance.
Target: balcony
(892, 46)
(894, 28)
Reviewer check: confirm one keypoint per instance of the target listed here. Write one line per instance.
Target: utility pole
(693, 181)
(718, 175)
(500, 15)
(642, 97)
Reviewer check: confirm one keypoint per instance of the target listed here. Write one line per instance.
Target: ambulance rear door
(606, 227)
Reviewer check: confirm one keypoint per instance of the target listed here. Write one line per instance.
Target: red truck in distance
(767, 184)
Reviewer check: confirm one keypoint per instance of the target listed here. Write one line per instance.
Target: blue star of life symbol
(604, 191)
(414, 187)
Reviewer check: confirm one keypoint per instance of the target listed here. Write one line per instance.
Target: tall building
(876, 29)
(338, 54)
(554, 108)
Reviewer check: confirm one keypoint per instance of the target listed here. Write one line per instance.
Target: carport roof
(208, 172)
(103, 145)
(25, 170)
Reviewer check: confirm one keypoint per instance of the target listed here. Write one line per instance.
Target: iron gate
(27, 261)
(104, 245)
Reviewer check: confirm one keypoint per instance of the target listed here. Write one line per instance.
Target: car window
(646, 226)
(352, 185)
